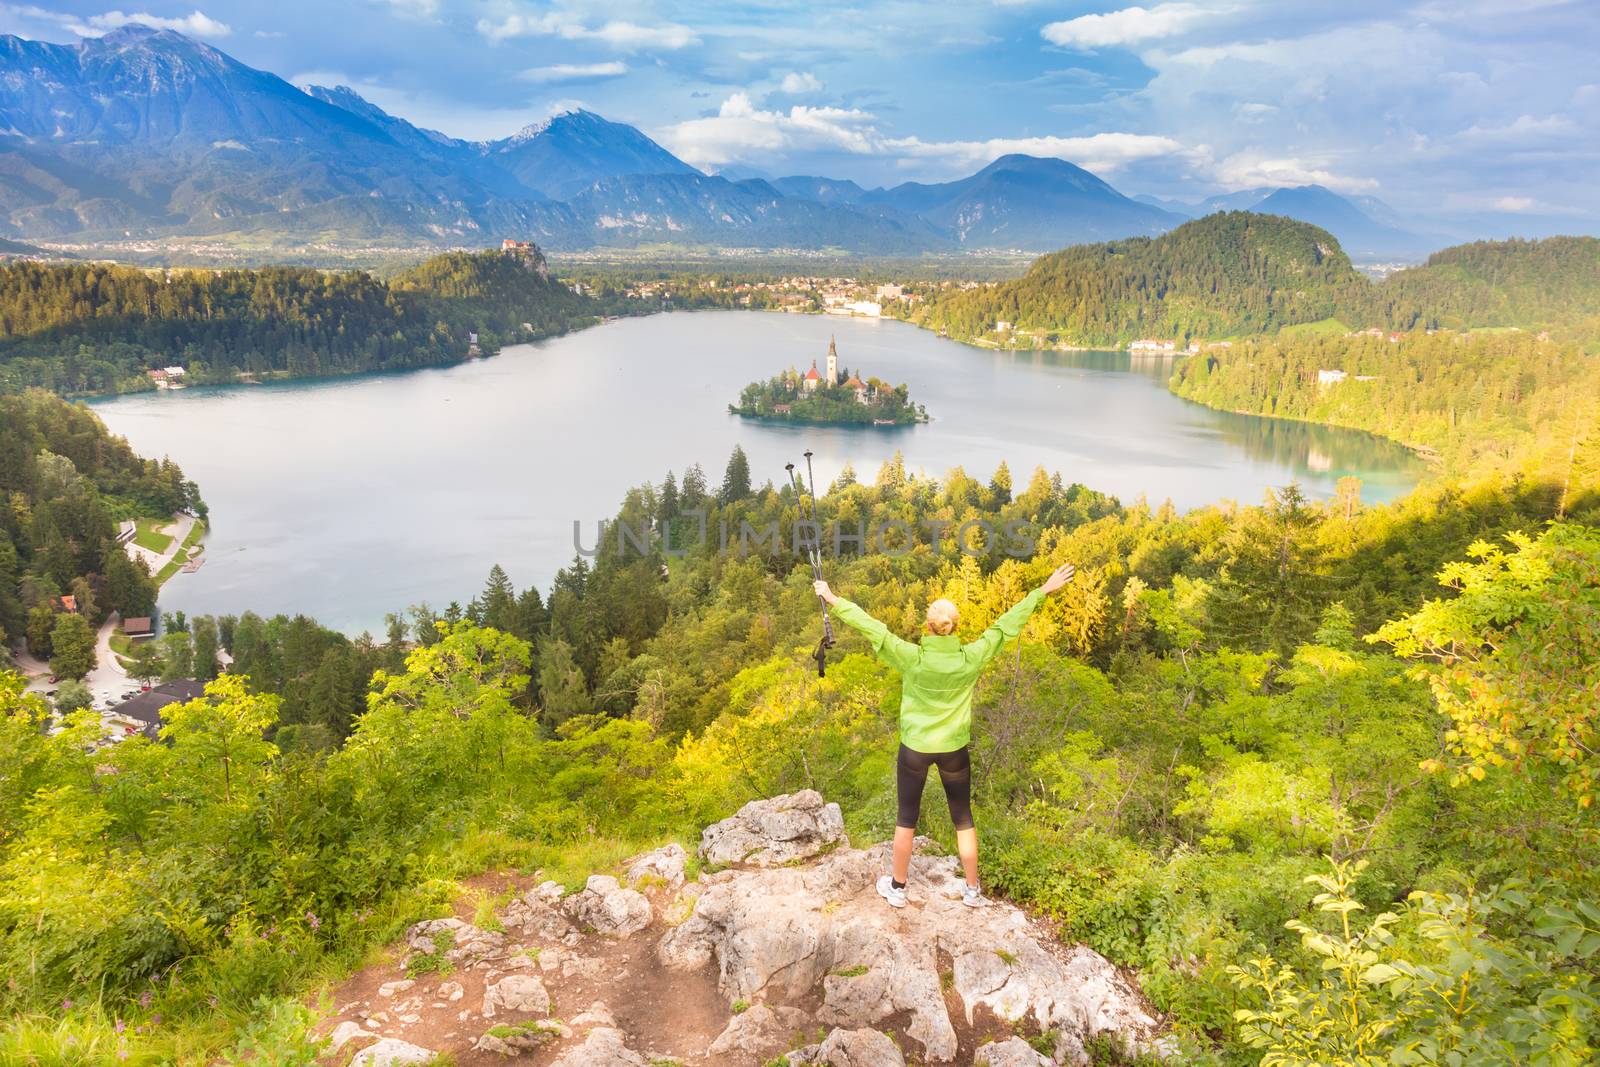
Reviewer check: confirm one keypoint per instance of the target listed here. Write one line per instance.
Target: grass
(741, 1006)
(1008, 958)
(1320, 328)
(509, 1030)
(147, 534)
(179, 558)
(852, 972)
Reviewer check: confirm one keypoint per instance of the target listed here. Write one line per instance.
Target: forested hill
(1533, 285)
(65, 481)
(97, 328)
(1239, 274)
(1226, 274)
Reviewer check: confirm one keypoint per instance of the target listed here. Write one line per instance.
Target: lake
(349, 498)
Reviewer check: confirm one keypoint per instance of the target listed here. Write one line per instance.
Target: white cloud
(1128, 26)
(196, 23)
(796, 82)
(742, 132)
(1250, 169)
(1515, 203)
(619, 34)
(739, 130)
(573, 72)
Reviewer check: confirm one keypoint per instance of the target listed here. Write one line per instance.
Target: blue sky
(1486, 109)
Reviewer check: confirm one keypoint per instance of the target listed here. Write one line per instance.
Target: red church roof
(812, 375)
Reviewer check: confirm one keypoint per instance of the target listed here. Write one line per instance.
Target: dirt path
(670, 1016)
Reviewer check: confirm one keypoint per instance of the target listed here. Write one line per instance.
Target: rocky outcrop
(604, 1047)
(851, 1048)
(454, 940)
(608, 909)
(1012, 1052)
(663, 866)
(788, 945)
(770, 833)
(758, 1032)
(780, 935)
(520, 994)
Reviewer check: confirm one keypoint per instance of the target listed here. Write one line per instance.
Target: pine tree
(736, 479)
(669, 498)
(499, 601)
(1000, 484)
(563, 692)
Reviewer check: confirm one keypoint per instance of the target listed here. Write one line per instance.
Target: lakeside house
(139, 627)
(1149, 345)
(125, 531)
(167, 377)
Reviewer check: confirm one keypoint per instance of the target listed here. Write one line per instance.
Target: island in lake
(834, 395)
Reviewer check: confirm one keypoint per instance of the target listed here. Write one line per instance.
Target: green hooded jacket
(939, 674)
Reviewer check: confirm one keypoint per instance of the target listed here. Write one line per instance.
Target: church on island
(829, 395)
(812, 380)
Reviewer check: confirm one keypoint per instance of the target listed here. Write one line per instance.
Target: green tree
(177, 656)
(736, 478)
(1517, 656)
(71, 646)
(563, 691)
(73, 695)
(499, 600)
(145, 662)
(41, 624)
(204, 639)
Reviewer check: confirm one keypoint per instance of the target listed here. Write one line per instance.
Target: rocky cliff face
(781, 951)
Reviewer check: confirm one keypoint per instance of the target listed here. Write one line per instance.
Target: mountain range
(1365, 225)
(146, 133)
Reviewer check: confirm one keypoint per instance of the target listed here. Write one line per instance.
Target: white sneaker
(887, 890)
(973, 897)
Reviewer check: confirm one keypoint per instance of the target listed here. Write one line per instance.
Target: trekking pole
(816, 552)
(814, 557)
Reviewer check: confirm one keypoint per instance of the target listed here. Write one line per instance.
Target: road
(108, 682)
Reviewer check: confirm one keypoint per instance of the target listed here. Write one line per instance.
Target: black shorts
(955, 771)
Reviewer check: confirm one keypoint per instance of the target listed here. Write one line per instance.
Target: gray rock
(391, 1052)
(770, 833)
(664, 865)
(852, 1048)
(608, 908)
(604, 1047)
(759, 1031)
(1012, 1052)
(466, 942)
(521, 994)
(536, 913)
(389, 989)
(598, 1014)
(345, 1033)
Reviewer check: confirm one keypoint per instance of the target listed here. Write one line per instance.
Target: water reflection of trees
(1321, 450)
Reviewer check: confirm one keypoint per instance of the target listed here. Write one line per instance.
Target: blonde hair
(942, 617)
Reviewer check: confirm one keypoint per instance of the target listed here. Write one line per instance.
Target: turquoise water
(346, 499)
